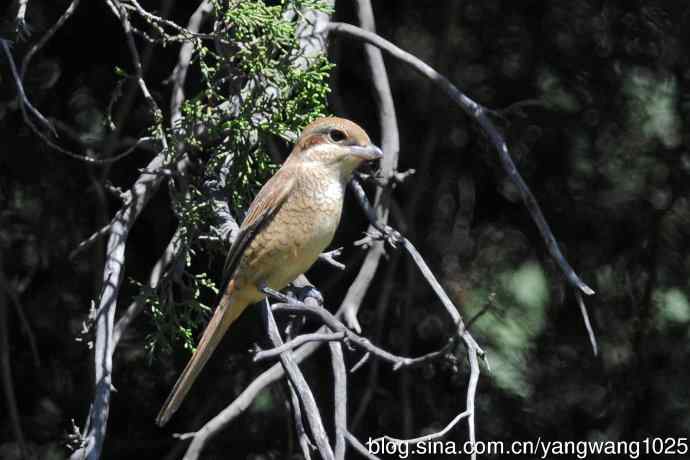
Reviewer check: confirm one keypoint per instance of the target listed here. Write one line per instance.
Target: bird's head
(335, 143)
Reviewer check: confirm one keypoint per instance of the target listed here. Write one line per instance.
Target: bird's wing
(265, 205)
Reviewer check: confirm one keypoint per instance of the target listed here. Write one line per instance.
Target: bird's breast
(299, 232)
(320, 204)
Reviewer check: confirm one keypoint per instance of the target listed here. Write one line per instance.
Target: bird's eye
(337, 135)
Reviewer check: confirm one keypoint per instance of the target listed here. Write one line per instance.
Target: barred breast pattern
(312, 214)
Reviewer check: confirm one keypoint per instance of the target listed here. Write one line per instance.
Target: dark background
(592, 97)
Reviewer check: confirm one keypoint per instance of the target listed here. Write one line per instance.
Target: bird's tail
(228, 310)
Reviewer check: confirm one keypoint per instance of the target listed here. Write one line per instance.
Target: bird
(288, 225)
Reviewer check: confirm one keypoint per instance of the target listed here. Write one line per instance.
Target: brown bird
(289, 223)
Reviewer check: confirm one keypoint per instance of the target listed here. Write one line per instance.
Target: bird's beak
(366, 152)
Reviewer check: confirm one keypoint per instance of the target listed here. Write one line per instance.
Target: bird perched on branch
(289, 223)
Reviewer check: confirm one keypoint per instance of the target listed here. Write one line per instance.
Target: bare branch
(172, 252)
(473, 349)
(157, 22)
(430, 436)
(339, 398)
(301, 387)
(95, 236)
(390, 143)
(329, 257)
(295, 306)
(24, 101)
(20, 20)
(242, 402)
(47, 36)
(304, 441)
(179, 73)
(480, 114)
(297, 342)
(140, 193)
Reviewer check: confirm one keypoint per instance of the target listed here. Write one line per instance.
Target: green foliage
(255, 84)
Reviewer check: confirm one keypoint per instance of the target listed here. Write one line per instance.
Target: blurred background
(593, 99)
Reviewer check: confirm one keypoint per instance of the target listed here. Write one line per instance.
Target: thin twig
(297, 342)
(330, 258)
(88, 242)
(588, 324)
(47, 36)
(362, 361)
(185, 34)
(25, 65)
(295, 306)
(24, 101)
